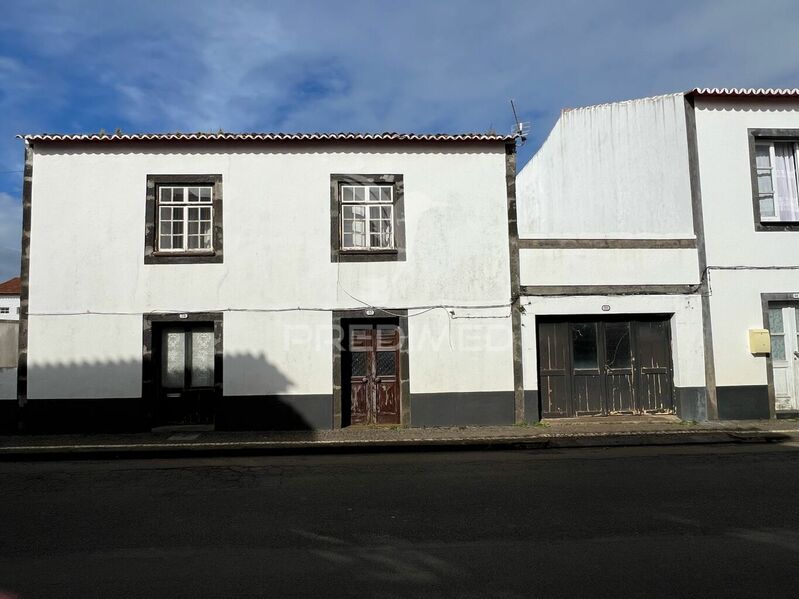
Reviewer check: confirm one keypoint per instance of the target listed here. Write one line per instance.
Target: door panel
(782, 324)
(588, 387)
(654, 366)
(186, 391)
(554, 369)
(607, 366)
(618, 367)
(374, 374)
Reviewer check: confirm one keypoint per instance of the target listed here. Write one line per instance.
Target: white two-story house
(656, 237)
(268, 281)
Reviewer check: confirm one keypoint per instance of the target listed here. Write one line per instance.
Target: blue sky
(172, 65)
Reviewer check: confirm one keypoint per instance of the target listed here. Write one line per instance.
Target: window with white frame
(777, 180)
(185, 218)
(367, 217)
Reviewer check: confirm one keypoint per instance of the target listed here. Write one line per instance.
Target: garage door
(609, 366)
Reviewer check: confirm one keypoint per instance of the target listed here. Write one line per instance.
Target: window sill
(776, 225)
(212, 257)
(393, 255)
(368, 252)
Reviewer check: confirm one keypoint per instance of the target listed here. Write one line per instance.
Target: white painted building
(9, 299)
(267, 281)
(648, 253)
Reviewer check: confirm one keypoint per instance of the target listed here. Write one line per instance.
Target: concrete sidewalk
(562, 433)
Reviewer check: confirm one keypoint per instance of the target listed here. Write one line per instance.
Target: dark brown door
(610, 366)
(186, 389)
(654, 366)
(374, 381)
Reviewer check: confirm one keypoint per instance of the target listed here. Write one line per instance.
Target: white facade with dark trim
(271, 303)
(651, 207)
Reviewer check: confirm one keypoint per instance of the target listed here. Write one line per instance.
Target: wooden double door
(372, 374)
(185, 377)
(605, 366)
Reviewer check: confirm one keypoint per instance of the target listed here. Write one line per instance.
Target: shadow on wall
(126, 396)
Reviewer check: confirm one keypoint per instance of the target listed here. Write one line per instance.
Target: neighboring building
(9, 299)
(654, 235)
(354, 279)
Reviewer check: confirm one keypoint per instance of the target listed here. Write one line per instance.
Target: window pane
(346, 194)
(205, 242)
(165, 243)
(202, 358)
(194, 228)
(764, 183)
(177, 213)
(205, 194)
(385, 194)
(177, 194)
(374, 211)
(166, 213)
(205, 213)
(166, 194)
(584, 345)
(359, 194)
(194, 214)
(194, 194)
(374, 194)
(617, 345)
(775, 324)
(173, 362)
(194, 242)
(767, 207)
(762, 158)
(165, 228)
(386, 212)
(177, 227)
(778, 347)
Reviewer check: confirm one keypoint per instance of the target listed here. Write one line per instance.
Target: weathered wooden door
(653, 366)
(610, 366)
(186, 390)
(374, 378)
(783, 324)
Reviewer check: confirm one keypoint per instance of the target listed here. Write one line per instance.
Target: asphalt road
(718, 521)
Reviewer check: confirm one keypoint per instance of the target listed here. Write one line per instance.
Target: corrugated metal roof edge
(764, 92)
(269, 137)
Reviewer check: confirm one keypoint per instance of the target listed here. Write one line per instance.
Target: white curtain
(786, 190)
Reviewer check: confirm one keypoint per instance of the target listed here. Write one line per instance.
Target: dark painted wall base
(744, 402)
(8, 416)
(690, 403)
(275, 412)
(462, 409)
(107, 415)
(531, 403)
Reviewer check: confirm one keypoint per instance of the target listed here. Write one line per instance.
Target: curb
(88, 451)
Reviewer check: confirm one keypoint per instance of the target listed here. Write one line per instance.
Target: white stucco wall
(87, 246)
(608, 266)
(610, 171)
(730, 236)
(12, 303)
(8, 384)
(686, 328)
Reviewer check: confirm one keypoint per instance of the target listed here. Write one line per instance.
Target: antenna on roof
(522, 129)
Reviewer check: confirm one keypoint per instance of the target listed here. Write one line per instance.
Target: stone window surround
(151, 255)
(398, 252)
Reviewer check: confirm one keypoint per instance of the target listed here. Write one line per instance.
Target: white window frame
(366, 204)
(185, 204)
(762, 171)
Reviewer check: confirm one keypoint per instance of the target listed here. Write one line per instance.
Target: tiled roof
(324, 137)
(743, 91)
(10, 287)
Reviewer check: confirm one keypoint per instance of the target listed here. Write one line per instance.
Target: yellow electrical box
(759, 341)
